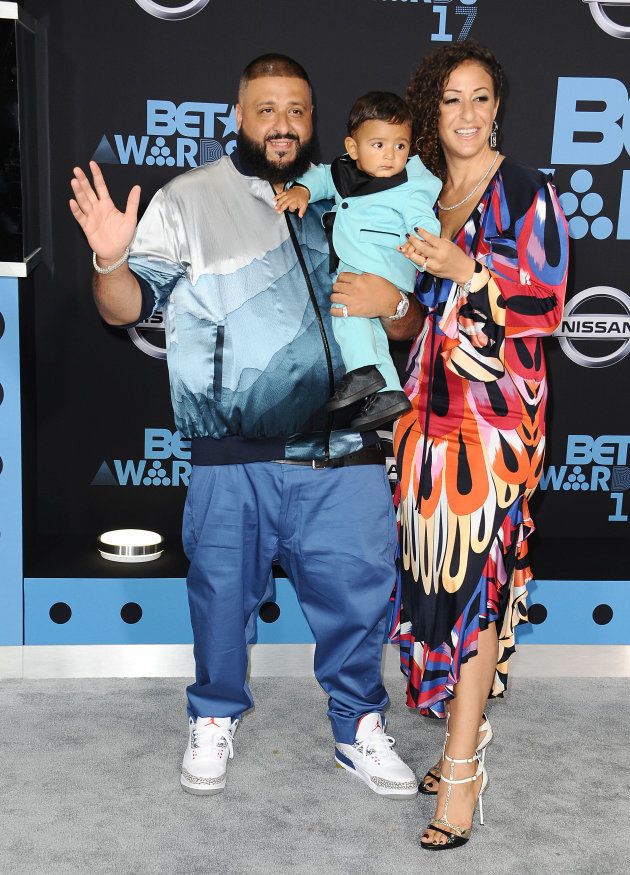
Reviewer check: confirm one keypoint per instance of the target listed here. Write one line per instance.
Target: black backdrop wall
(150, 97)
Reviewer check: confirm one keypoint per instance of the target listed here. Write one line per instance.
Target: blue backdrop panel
(10, 467)
(137, 611)
(80, 611)
(577, 612)
(156, 612)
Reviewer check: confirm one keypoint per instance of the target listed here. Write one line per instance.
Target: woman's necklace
(470, 194)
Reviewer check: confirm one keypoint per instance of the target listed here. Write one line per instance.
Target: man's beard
(254, 156)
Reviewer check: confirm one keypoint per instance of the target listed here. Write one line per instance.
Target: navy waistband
(236, 450)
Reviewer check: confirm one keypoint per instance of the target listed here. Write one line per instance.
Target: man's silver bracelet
(112, 267)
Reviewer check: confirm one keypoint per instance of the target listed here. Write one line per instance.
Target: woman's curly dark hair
(425, 89)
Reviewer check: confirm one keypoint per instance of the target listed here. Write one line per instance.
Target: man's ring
(344, 311)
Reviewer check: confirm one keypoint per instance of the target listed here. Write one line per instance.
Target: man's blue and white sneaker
(373, 759)
(209, 748)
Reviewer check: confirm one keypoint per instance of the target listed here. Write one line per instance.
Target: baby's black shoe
(356, 385)
(381, 408)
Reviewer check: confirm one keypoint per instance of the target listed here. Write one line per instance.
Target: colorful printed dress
(470, 452)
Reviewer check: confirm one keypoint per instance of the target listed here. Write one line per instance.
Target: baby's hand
(295, 198)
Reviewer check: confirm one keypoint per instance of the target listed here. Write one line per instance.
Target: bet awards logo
(594, 463)
(166, 462)
(586, 334)
(583, 208)
(188, 134)
(592, 128)
(172, 12)
(599, 13)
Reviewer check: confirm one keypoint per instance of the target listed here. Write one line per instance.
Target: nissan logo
(583, 322)
(603, 19)
(172, 13)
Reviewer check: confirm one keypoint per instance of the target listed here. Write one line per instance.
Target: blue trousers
(334, 532)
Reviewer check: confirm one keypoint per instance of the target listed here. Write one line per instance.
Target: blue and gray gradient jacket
(245, 293)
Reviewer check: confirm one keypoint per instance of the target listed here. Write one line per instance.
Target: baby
(380, 196)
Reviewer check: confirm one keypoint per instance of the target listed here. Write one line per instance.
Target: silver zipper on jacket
(320, 322)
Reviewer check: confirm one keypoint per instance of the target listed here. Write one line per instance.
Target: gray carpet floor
(89, 784)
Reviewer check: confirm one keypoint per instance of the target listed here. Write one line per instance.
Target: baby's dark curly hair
(425, 89)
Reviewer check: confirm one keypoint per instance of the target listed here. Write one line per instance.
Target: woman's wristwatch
(401, 307)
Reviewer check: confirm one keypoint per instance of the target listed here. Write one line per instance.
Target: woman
(470, 451)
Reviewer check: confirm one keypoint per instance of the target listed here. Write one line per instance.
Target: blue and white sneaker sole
(199, 787)
(381, 786)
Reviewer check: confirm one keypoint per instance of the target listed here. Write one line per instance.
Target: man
(252, 361)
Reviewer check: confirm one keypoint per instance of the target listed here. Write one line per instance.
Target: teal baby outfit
(369, 220)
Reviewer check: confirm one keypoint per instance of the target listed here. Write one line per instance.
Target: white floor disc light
(130, 545)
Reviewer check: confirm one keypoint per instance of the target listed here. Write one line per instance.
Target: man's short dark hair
(381, 106)
(272, 65)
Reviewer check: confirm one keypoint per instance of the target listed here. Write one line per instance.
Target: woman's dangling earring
(493, 135)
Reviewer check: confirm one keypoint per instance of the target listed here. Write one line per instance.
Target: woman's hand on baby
(295, 199)
(438, 256)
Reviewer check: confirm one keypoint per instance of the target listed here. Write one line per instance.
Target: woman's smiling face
(467, 111)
